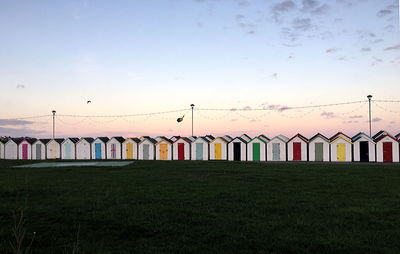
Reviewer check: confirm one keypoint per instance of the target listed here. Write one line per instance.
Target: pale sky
(131, 57)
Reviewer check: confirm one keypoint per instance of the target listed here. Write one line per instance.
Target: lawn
(205, 207)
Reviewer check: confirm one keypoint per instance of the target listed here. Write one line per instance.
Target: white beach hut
(387, 147)
(11, 148)
(200, 149)
(2, 142)
(237, 149)
(53, 148)
(39, 149)
(68, 148)
(114, 148)
(276, 148)
(318, 148)
(130, 149)
(25, 148)
(147, 149)
(181, 149)
(84, 148)
(340, 145)
(164, 149)
(257, 149)
(98, 148)
(297, 148)
(219, 149)
(363, 148)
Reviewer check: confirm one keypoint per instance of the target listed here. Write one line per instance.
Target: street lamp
(370, 124)
(192, 105)
(54, 122)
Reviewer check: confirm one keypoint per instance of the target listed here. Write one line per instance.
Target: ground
(205, 207)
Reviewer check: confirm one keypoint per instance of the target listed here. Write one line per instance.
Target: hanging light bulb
(180, 119)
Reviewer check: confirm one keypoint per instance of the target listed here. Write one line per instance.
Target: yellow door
(129, 151)
(341, 152)
(163, 151)
(218, 151)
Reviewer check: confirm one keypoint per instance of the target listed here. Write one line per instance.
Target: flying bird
(89, 101)
(180, 119)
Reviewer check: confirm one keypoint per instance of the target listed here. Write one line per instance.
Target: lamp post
(54, 122)
(370, 121)
(192, 105)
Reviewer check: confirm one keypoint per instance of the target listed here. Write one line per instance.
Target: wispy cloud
(394, 47)
(331, 50)
(376, 119)
(302, 24)
(20, 86)
(19, 132)
(383, 13)
(356, 117)
(274, 75)
(328, 115)
(12, 122)
(365, 49)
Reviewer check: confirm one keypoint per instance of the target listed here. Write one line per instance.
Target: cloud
(383, 13)
(284, 6)
(331, 50)
(323, 9)
(233, 109)
(274, 75)
(247, 108)
(365, 49)
(301, 24)
(350, 121)
(20, 132)
(12, 122)
(376, 119)
(233, 120)
(394, 47)
(20, 86)
(309, 4)
(328, 115)
(275, 107)
(356, 117)
(342, 58)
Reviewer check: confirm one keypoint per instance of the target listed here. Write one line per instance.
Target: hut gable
(200, 148)
(338, 136)
(130, 149)
(387, 147)
(99, 148)
(146, 149)
(219, 148)
(297, 148)
(83, 148)
(164, 149)
(363, 148)
(341, 148)
(182, 149)
(237, 149)
(318, 136)
(277, 148)
(245, 137)
(68, 148)
(257, 149)
(265, 138)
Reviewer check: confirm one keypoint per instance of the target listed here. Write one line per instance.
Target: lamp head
(369, 97)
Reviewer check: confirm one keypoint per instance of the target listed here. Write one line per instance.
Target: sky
(137, 57)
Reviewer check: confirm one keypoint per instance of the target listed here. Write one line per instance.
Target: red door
(181, 151)
(24, 151)
(387, 152)
(296, 151)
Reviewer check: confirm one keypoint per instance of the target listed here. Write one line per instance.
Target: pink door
(24, 151)
(113, 151)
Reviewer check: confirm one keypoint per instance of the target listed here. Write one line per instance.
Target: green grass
(204, 207)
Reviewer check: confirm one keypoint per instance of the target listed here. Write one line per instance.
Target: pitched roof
(260, 139)
(221, 138)
(299, 136)
(166, 140)
(119, 139)
(240, 139)
(246, 137)
(185, 139)
(262, 136)
(382, 136)
(340, 134)
(379, 133)
(227, 138)
(73, 140)
(319, 135)
(30, 140)
(202, 138)
(359, 136)
(152, 140)
(398, 136)
(89, 140)
(281, 138)
(136, 140)
(210, 137)
(3, 140)
(103, 139)
(58, 140)
(44, 140)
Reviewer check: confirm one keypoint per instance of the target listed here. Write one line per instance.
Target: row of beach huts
(382, 147)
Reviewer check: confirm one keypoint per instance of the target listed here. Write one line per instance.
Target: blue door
(199, 151)
(97, 150)
(68, 152)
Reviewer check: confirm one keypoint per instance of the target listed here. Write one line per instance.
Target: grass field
(205, 207)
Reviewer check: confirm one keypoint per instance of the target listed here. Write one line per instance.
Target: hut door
(97, 150)
(387, 152)
(67, 153)
(146, 151)
(24, 151)
(163, 151)
(199, 151)
(341, 152)
(364, 151)
(296, 151)
(38, 151)
(256, 151)
(218, 151)
(129, 151)
(181, 151)
(236, 151)
(276, 151)
(113, 152)
(319, 151)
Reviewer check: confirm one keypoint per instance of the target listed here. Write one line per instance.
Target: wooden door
(364, 151)
(38, 151)
(181, 151)
(341, 152)
(129, 151)
(256, 152)
(236, 151)
(97, 150)
(24, 151)
(319, 151)
(199, 151)
(218, 151)
(163, 152)
(113, 151)
(296, 151)
(276, 151)
(68, 152)
(387, 152)
(146, 151)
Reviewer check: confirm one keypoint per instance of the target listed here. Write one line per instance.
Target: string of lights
(385, 109)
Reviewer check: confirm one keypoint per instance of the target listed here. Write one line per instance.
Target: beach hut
(318, 148)
(245, 137)
(257, 149)
(98, 148)
(146, 149)
(39, 149)
(84, 148)
(219, 148)
(276, 148)
(340, 145)
(387, 147)
(237, 149)
(53, 148)
(363, 148)
(181, 149)
(11, 148)
(68, 148)
(174, 138)
(2, 142)
(297, 148)
(164, 149)
(114, 148)
(25, 148)
(200, 148)
(130, 149)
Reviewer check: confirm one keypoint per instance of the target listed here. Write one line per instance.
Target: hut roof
(118, 138)
(205, 139)
(184, 139)
(338, 135)
(240, 139)
(89, 140)
(299, 136)
(382, 136)
(319, 135)
(361, 135)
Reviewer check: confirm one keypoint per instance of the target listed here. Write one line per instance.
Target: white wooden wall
(282, 149)
(304, 149)
(53, 150)
(371, 149)
(311, 149)
(11, 151)
(334, 149)
(379, 149)
(118, 149)
(187, 149)
(243, 150)
(83, 151)
(263, 150)
(224, 150)
(205, 149)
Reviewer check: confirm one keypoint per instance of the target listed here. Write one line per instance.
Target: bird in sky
(180, 119)
(89, 101)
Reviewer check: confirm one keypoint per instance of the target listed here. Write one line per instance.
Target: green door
(319, 151)
(256, 151)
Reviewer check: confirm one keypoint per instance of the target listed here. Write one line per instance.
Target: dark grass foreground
(206, 207)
